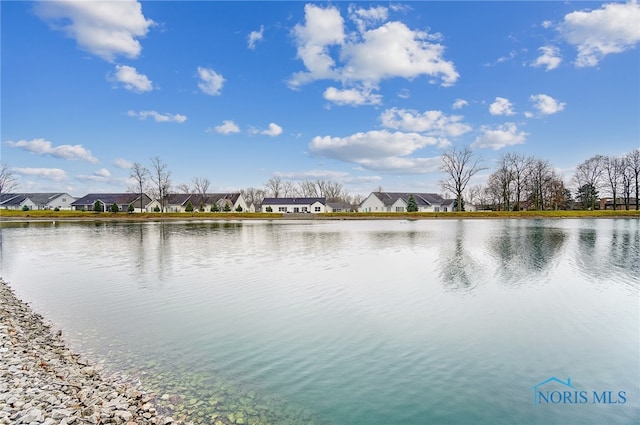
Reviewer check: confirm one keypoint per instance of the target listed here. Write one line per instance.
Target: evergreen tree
(412, 206)
(227, 208)
(114, 208)
(587, 196)
(189, 207)
(98, 207)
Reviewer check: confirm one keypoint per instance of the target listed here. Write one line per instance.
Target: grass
(90, 215)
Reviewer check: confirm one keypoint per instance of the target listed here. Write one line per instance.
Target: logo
(554, 391)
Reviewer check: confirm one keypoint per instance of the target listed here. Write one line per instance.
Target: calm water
(341, 322)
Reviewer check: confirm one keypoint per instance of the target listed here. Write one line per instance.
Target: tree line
(522, 182)
(518, 182)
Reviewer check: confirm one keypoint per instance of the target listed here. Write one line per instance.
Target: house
(339, 207)
(397, 202)
(294, 205)
(36, 201)
(122, 200)
(607, 203)
(204, 202)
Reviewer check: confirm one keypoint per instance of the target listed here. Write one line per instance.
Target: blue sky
(365, 93)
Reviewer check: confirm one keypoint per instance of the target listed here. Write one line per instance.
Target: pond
(371, 322)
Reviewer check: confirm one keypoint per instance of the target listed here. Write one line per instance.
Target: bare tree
(589, 173)
(474, 193)
(627, 181)
(459, 166)
(504, 180)
(161, 178)
(252, 195)
(201, 185)
(140, 175)
(8, 181)
(184, 188)
(274, 186)
(633, 162)
(288, 189)
(518, 166)
(613, 170)
(539, 179)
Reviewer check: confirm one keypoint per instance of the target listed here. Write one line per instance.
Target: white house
(294, 205)
(397, 202)
(178, 202)
(122, 200)
(36, 201)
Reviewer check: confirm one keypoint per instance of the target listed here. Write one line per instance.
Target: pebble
(42, 382)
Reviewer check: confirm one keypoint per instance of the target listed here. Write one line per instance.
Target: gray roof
(37, 198)
(422, 199)
(197, 199)
(292, 201)
(110, 199)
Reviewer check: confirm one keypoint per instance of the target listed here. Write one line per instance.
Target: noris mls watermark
(554, 391)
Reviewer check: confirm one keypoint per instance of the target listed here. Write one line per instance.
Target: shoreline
(48, 215)
(42, 381)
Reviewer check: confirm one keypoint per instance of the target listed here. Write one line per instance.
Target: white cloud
(210, 81)
(106, 29)
(460, 103)
(550, 57)
(614, 28)
(377, 150)
(352, 97)
(103, 172)
(546, 24)
(404, 165)
(55, 174)
(433, 123)
(546, 105)
(365, 18)
(499, 137)
(366, 56)
(501, 106)
(322, 28)
(132, 81)
(158, 117)
(45, 147)
(393, 50)
(123, 163)
(273, 130)
(254, 37)
(227, 127)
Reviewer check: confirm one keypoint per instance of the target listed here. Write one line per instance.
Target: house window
(436, 209)
(296, 209)
(64, 199)
(282, 209)
(445, 209)
(399, 209)
(317, 209)
(305, 209)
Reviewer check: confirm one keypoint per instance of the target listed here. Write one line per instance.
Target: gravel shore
(43, 382)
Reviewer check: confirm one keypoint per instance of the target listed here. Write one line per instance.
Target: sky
(368, 94)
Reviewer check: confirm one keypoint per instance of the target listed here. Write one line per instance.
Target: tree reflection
(606, 253)
(459, 271)
(525, 251)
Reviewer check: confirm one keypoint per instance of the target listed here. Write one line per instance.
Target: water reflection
(459, 270)
(524, 251)
(609, 250)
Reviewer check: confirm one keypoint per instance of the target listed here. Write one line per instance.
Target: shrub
(56, 209)
(130, 209)
(98, 207)
(214, 208)
(227, 208)
(189, 207)
(156, 209)
(114, 208)
(239, 209)
(25, 208)
(269, 209)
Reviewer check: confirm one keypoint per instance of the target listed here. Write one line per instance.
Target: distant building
(36, 201)
(294, 205)
(607, 204)
(122, 200)
(397, 202)
(178, 202)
